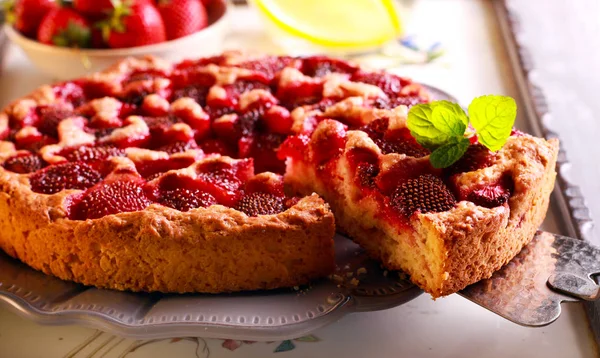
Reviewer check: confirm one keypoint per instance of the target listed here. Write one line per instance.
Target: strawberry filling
(64, 176)
(228, 120)
(319, 66)
(24, 163)
(109, 197)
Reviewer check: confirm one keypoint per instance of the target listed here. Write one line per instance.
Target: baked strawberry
(319, 66)
(184, 199)
(294, 147)
(426, 193)
(117, 196)
(151, 169)
(329, 144)
(93, 9)
(476, 157)
(218, 146)
(182, 17)
(26, 15)
(366, 174)
(64, 176)
(489, 196)
(390, 84)
(50, 117)
(224, 180)
(178, 147)
(393, 102)
(91, 154)
(66, 28)
(278, 120)
(265, 184)
(24, 163)
(70, 92)
(258, 203)
(34, 142)
(267, 66)
(197, 93)
(133, 23)
(263, 148)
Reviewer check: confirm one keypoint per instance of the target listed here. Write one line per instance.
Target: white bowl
(67, 63)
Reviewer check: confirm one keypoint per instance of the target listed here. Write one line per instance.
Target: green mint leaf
(449, 153)
(493, 118)
(449, 118)
(421, 127)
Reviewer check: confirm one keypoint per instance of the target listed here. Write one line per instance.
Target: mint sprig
(441, 126)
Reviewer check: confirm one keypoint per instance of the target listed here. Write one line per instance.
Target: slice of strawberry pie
(427, 200)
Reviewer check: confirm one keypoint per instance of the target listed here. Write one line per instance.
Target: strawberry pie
(233, 173)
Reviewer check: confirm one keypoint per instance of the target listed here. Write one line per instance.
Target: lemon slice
(335, 23)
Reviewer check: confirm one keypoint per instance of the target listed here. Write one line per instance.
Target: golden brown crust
(216, 249)
(479, 248)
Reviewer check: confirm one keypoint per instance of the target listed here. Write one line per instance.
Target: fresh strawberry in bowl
(93, 9)
(77, 37)
(133, 23)
(64, 27)
(182, 17)
(26, 15)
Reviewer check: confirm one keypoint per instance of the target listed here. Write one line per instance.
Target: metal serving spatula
(550, 270)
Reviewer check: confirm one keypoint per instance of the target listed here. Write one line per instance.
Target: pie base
(161, 249)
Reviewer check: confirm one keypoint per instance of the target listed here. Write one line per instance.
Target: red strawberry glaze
(365, 164)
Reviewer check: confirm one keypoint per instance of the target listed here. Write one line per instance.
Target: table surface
(475, 63)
